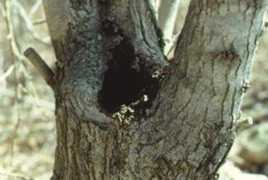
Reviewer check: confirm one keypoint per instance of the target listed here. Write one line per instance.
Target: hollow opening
(126, 80)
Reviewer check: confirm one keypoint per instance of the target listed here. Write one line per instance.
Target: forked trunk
(123, 113)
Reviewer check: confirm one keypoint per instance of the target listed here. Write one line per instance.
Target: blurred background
(27, 122)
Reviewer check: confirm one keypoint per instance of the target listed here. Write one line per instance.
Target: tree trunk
(123, 113)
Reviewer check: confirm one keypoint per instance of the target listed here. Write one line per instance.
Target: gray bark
(109, 54)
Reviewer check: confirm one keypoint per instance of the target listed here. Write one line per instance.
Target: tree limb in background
(22, 27)
(167, 16)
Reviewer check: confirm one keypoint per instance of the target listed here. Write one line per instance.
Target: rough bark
(109, 55)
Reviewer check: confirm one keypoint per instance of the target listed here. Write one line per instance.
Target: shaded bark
(109, 56)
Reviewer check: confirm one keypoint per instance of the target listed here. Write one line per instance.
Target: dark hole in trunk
(126, 80)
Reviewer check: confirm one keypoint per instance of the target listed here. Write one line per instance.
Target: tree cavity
(126, 81)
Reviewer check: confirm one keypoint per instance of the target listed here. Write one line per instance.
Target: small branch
(39, 21)
(40, 65)
(35, 8)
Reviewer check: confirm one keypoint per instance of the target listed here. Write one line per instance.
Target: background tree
(167, 20)
(21, 25)
(123, 112)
